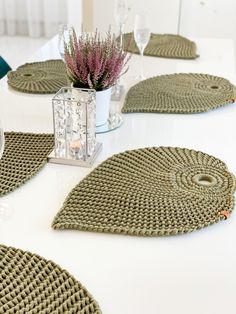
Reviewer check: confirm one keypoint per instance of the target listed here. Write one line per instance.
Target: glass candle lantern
(74, 117)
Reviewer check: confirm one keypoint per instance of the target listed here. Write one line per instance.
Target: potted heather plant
(96, 63)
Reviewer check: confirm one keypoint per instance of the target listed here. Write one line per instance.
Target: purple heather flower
(93, 62)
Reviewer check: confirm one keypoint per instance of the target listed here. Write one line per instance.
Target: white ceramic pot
(103, 99)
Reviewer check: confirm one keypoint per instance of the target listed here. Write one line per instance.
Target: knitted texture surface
(179, 93)
(150, 192)
(163, 45)
(45, 77)
(24, 155)
(29, 284)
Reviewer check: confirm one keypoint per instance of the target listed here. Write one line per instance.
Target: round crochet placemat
(30, 284)
(24, 155)
(179, 93)
(150, 192)
(45, 77)
(163, 45)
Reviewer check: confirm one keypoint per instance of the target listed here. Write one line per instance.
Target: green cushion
(4, 67)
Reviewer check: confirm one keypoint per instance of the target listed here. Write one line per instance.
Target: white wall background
(163, 14)
(198, 18)
(209, 18)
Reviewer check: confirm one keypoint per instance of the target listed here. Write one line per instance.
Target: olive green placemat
(163, 45)
(179, 93)
(45, 77)
(150, 192)
(30, 284)
(24, 155)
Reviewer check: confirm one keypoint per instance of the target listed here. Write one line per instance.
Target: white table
(193, 273)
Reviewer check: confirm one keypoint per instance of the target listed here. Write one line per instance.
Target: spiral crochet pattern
(150, 192)
(179, 93)
(45, 77)
(24, 155)
(29, 284)
(163, 45)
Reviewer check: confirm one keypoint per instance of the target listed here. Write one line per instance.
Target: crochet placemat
(24, 155)
(44, 77)
(150, 192)
(30, 284)
(179, 93)
(163, 45)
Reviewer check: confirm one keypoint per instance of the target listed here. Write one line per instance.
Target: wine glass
(63, 38)
(141, 37)
(120, 14)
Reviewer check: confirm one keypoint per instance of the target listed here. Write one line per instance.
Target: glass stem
(121, 35)
(141, 62)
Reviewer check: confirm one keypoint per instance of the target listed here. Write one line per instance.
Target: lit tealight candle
(75, 145)
(76, 151)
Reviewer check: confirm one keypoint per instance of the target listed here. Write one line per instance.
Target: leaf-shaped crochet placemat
(45, 77)
(30, 284)
(24, 155)
(163, 45)
(150, 192)
(179, 93)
